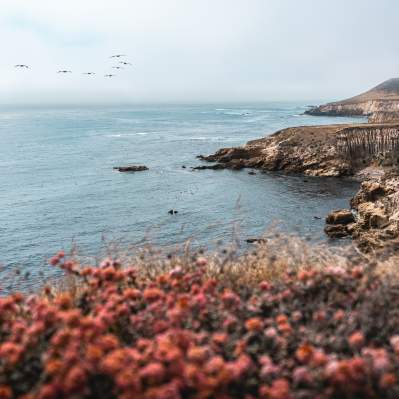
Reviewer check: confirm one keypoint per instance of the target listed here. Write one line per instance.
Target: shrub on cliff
(188, 332)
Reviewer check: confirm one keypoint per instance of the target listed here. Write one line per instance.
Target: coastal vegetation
(284, 321)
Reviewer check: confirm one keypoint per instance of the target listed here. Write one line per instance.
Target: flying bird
(109, 75)
(21, 66)
(117, 67)
(118, 55)
(125, 63)
(64, 71)
(89, 73)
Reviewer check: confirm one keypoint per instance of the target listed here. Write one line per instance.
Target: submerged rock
(131, 168)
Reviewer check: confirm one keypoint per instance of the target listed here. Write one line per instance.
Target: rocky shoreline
(366, 151)
(373, 220)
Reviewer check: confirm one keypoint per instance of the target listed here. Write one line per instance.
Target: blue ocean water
(58, 187)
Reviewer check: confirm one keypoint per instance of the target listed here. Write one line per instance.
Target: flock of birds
(108, 75)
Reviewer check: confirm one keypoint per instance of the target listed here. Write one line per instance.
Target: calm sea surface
(57, 185)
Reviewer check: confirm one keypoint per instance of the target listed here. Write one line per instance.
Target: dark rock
(217, 166)
(251, 172)
(336, 230)
(131, 168)
(254, 240)
(183, 166)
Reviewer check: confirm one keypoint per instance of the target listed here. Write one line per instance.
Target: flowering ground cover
(188, 332)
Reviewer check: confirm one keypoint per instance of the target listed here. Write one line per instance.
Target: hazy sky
(196, 50)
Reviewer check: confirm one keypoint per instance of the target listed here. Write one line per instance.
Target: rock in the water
(255, 240)
(336, 230)
(131, 168)
(341, 216)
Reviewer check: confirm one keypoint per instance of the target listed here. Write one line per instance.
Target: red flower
(5, 392)
(304, 353)
(254, 324)
(11, 352)
(152, 373)
(198, 354)
(388, 380)
(75, 379)
(153, 294)
(356, 340)
(54, 260)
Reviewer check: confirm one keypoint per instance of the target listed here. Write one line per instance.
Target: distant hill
(381, 104)
(388, 90)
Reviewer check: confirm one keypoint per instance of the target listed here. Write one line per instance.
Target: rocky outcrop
(337, 223)
(381, 104)
(375, 212)
(332, 150)
(131, 168)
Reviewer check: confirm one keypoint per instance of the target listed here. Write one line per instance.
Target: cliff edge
(326, 150)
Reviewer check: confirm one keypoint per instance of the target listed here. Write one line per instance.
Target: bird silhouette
(117, 67)
(21, 66)
(64, 71)
(109, 75)
(117, 56)
(125, 63)
(88, 73)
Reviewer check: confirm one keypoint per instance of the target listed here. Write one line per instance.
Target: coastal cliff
(332, 150)
(380, 104)
(369, 151)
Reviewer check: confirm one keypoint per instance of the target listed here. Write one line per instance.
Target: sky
(196, 50)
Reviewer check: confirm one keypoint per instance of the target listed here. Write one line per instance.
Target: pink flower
(301, 375)
(356, 340)
(271, 332)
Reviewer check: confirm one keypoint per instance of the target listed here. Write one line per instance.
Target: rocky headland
(380, 104)
(366, 151)
(326, 150)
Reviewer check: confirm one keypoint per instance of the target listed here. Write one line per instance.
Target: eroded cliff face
(363, 145)
(384, 117)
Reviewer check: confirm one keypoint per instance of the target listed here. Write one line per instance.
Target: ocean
(58, 189)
